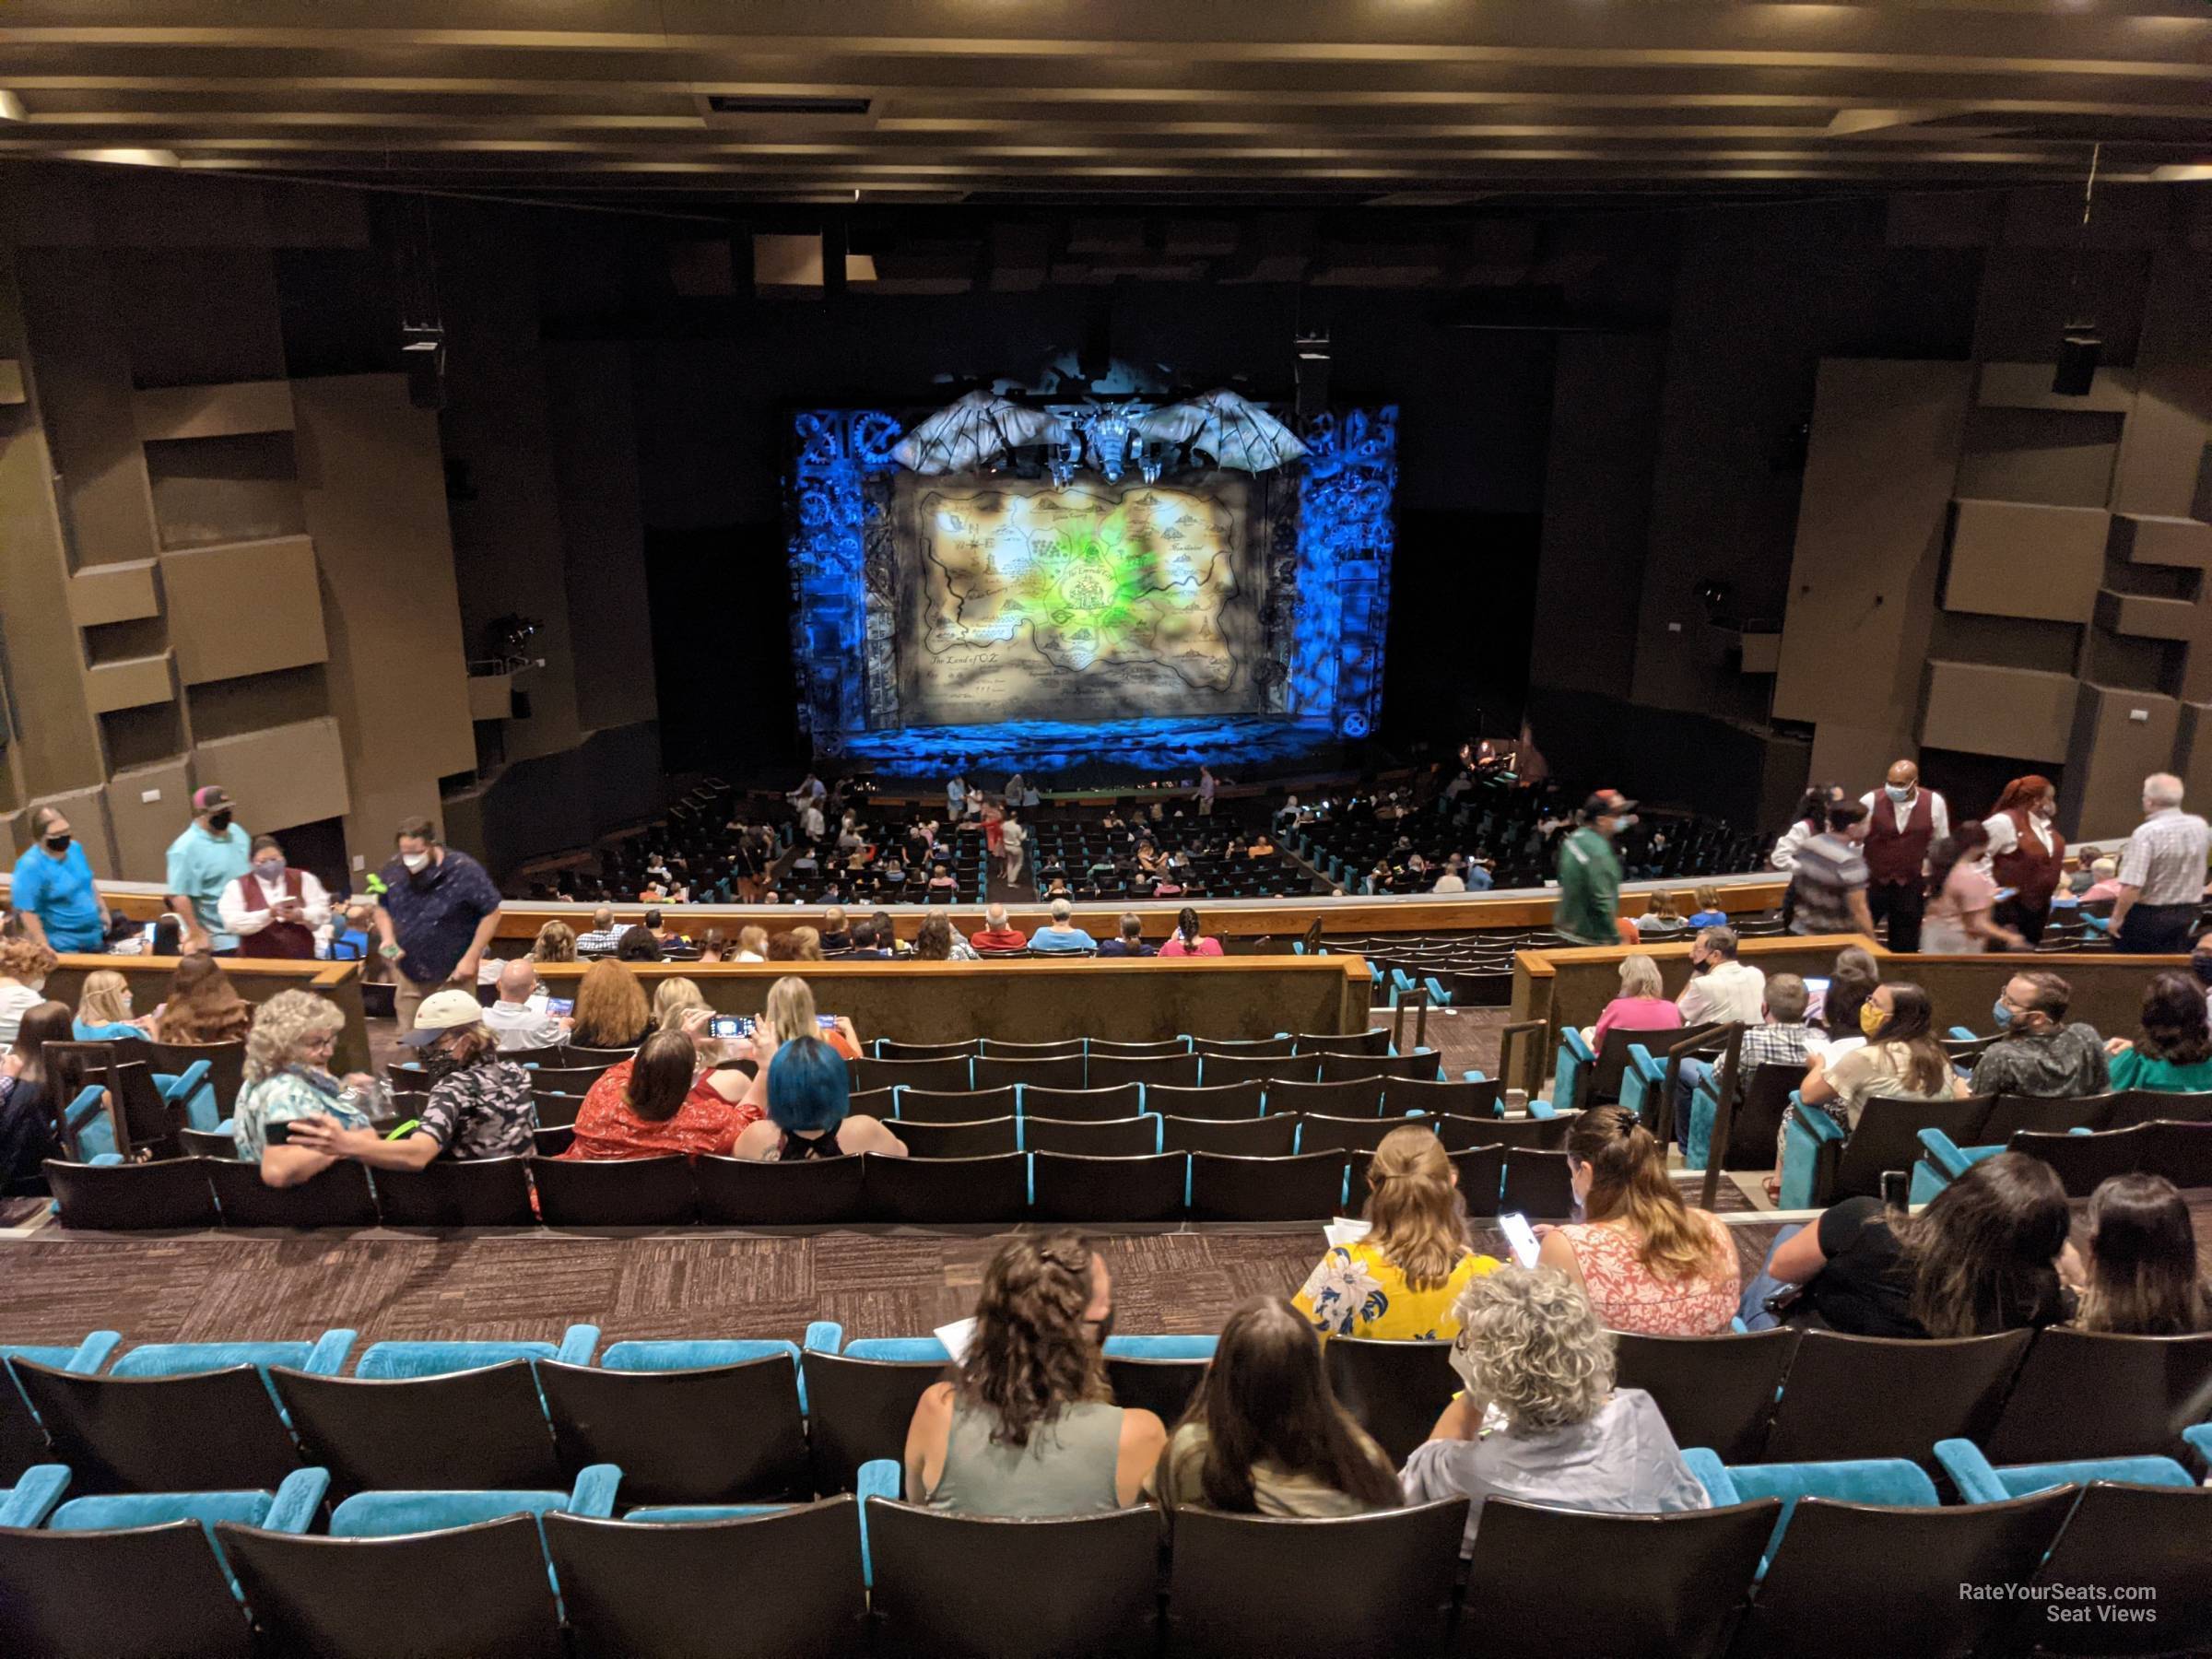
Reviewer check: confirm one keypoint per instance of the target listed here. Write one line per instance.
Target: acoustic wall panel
(2011, 559)
(222, 411)
(131, 683)
(2149, 539)
(246, 607)
(2027, 386)
(282, 776)
(115, 593)
(2119, 738)
(144, 827)
(2193, 753)
(2016, 712)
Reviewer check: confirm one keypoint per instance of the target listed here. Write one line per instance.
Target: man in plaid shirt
(2161, 872)
(1780, 1042)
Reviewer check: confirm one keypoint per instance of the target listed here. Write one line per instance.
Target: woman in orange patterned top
(1648, 1263)
(663, 1100)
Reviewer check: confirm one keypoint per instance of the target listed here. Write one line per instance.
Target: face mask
(416, 862)
(1871, 1019)
(2002, 1014)
(2201, 965)
(1898, 792)
(219, 821)
(2047, 811)
(58, 843)
(270, 870)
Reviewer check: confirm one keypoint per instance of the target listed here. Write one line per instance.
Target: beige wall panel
(2047, 457)
(1870, 529)
(130, 684)
(245, 609)
(2027, 386)
(374, 482)
(213, 411)
(87, 813)
(2009, 711)
(2141, 617)
(2162, 454)
(490, 696)
(120, 593)
(2012, 559)
(2192, 754)
(285, 775)
(144, 829)
(11, 381)
(2145, 538)
(2119, 738)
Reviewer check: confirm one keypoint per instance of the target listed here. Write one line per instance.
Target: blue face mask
(2003, 1013)
(1897, 792)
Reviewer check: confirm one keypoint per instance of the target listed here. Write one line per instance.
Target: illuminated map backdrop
(1091, 601)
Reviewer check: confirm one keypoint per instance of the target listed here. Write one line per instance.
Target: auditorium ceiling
(1396, 102)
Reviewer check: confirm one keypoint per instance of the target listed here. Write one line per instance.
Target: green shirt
(2133, 1070)
(1589, 888)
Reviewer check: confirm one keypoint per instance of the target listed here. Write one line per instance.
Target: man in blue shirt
(438, 912)
(1063, 935)
(53, 890)
(211, 854)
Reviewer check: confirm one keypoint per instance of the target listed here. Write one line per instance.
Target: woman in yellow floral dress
(1399, 1282)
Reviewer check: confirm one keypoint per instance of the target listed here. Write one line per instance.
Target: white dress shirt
(1938, 814)
(524, 1025)
(314, 903)
(1725, 991)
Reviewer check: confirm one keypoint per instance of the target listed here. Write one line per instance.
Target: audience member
(1829, 875)
(438, 913)
(53, 891)
(1850, 983)
(1904, 823)
(637, 945)
(1642, 1004)
(24, 965)
(1400, 1280)
(791, 1010)
(673, 998)
(1709, 913)
(1589, 906)
(1014, 839)
(1130, 941)
(667, 1098)
(604, 935)
(1187, 940)
(1029, 1427)
(836, 932)
(936, 942)
(886, 934)
(866, 943)
(2174, 1053)
(272, 911)
(1981, 1257)
(2161, 872)
(1061, 932)
(714, 946)
(1264, 1435)
(1721, 988)
(2027, 854)
(288, 1077)
(941, 878)
(1660, 920)
(203, 1005)
(1781, 1039)
(518, 1020)
(1531, 1350)
(1961, 897)
(2036, 1051)
(656, 924)
(555, 942)
(1812, 820)
(103, 1009)
(806, 1090)
(480, 1106)
(611, 1011)
(2104, 881)
(997, 933)
(211, 853)
(2140, 1276)
(752, 943)
(1648, 1262)
(1899, 1060)
(28, 1106)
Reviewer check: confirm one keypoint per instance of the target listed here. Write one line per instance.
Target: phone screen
(1521, 1236)
(560, 1008)
(1815, 998)
(827, 1021)
(277, 1134)
(730, 1025)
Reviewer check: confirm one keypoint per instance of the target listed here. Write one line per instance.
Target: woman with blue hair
(808, 1093)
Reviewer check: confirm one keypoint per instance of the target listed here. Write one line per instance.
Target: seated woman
(1028, 1426)
(791, 1012)
(288, 1078)
(201, 1005)
(1642, 1004)
(941, 878)
(1662, 921)
(480, 1107)
(1850, 983)
(1149, 857)
(637, 945)
(555, 942)
(1399, 1283)
(1899, 1060)
(2141, 1277)
(808, 1091)
(672, 999)
(1709, 913)
(24, 965)
(668, 1099)
(1648, 1263)
(1187, 940)
(752, 945)
(1983, 1256)
(103, 1009)
(611, 1011)
(28, 1106)
(2173, 1055)
(1264, 1435)
(1538, 1368)
(936, 942)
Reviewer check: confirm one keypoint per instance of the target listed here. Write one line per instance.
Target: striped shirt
(1829, 869)
(2165, 858)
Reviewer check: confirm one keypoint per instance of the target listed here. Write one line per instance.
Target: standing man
(2161, 872)
(1013, 837)
(1828, 888)
(211, 854)
(438, 912)
(1903, 821)
(1589, 908)
(1207, 788)
(274, 912)
(53, 890)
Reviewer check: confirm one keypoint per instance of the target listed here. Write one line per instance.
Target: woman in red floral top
(663, 1102)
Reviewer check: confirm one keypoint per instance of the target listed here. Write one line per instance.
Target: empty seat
(966, 1106)
(1537, 1185)
(949, 1073)
(1248, 1048)
(554, 1109)
(1217, 1606)
(945, 1190)
(1158, 1374)
(2155, 1541)
(1221, 1070)
(1122, 1101)
(1109, 1138)
(979, 1139)
(1716, 1391)
(1242, 1137)
(1476, 1099)
(967, 1584)
(627, 1192)
(1375, 1040)
(815, 1192)
(2145, 1389)
(140, 1590)
(859, 1407)
(167, 1195)
(481, 1428)
(998, 1048)
(1396, 1389)
(564, 1079)
(1228, 1101)
(2009, 1114)
(208, 1431)
(1165, 1070)
(1929, 1391)
(455, 1192)
(1354, 1097)
(1138, 1051)
(338, 1196)
(1317, 1133)
(1065, 1072)
(1543, 1134)
(1226, 1188)
(875, 1102)
(888, 1050)
(787, 1585)
(1420, 1065)
(1078, 1187)
(719, 1428)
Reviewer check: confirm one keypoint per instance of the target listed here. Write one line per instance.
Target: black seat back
(2156, 1541)
(1299, 1188)
(554, 1109)
(859, 1410)
(456, 1192)
(2010, 1113)
(1317, 1133)
(790, 1581)
(1164, 1071)
(1134, 1136)
(447, 1595)
(958, 1106)
(1107, 1048)
(1243, 1137)
(1356, 1097)
(1374, 1040)
(723, 1434)
(945, 1192)
(168, 1193)
(1245, 1048)
(982, 1138)
(1063, 1048)
(1065, 1072)
(338, 1196)
(967, 1584)
(888, 1050)
(1459, 1096)
(1222, 1103)
(2180, 1151)
(1538, 1133)
(143, 1590)
(1396, 1389)
(1223, 1070)
(471, 1429)
(564, 1079)
(816, 1191)
(875, 1102)
(1537, 1185)
(1078, 1187)
(127, 1434)
(1888, 1137)
(1085, 1105)
(2084, 1162)
(1756, 1128)
(951, 1072)
(623, 1192)
(2132, 1106)
(1929, 1390)
(1162, 1387)
(2144, 1390)
(1420, 1065)
(1717, 1392)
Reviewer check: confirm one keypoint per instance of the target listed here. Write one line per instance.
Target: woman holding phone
(1399, 1280)
(791, 1011)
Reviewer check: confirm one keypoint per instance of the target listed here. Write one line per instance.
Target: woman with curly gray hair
(1540, 1420)
(288, 1077)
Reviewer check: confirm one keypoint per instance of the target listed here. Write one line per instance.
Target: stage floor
(1045, 749)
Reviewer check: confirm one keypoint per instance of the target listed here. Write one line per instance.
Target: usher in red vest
(2028, 866)
(1894, 856)
(294, 939)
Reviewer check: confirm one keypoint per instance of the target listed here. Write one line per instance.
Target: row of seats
(1165, 1070)
(2179, 1150)
(1471, 1096)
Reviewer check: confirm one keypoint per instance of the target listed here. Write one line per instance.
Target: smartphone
(827, 1021)
(1815, 998)
(1521, 1236)
(560, 1008)
(730, 1025)
(277, 1134)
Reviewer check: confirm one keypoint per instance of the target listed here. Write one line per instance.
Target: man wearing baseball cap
(1589, 908)
(211, 853)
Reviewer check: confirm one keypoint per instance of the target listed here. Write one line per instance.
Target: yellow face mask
(1871, 1018)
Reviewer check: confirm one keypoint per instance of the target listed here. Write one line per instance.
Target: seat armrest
(92, 1353)
(1971, 1472)
(594, 1492)
(327, 1358)
(1960, 1034)
(823, 1336)
(1473, 1076)
(34, 1495)
(879, 1477)
(182, 1085)
(577, 1345)
(1953, 1159)
(1711, 1474)
(2199, 1437)
(1571, 1040)
(298, 1500)
(1816, 1122)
